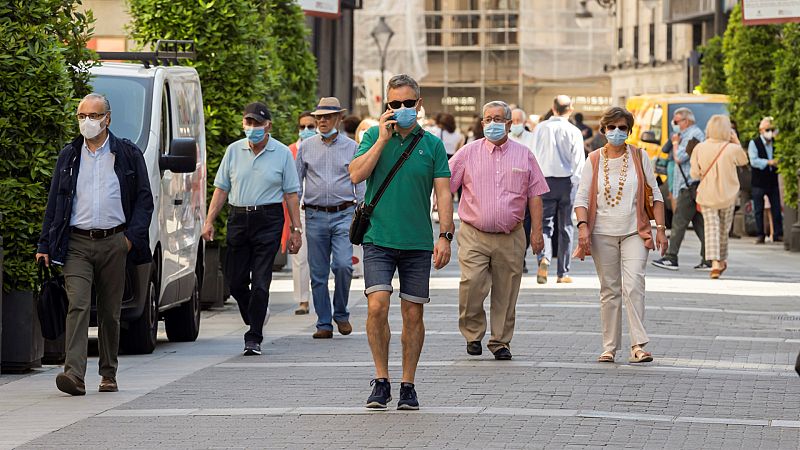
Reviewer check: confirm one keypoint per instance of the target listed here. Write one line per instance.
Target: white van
(160, 109)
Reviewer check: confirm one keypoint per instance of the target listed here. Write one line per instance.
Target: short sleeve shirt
(401, 219)
(261, 179)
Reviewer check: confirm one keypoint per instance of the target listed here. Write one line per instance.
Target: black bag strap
(395, 169)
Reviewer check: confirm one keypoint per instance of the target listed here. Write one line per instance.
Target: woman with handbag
(714, 163)
(616, 199)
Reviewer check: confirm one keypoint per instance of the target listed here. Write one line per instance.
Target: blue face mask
(676, 128)
(329, 133)
(616, 137)
(405, 117)
(255, 134)
(517, 129)
(305, 133)
(494, 131)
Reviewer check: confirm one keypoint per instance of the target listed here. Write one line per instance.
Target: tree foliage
(749, 63)
(37, 106)
(786, 109)
(246, 51)
(712, 69)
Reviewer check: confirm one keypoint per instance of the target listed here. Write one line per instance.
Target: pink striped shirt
(497, 183)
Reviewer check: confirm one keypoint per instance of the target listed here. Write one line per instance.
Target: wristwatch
(581, 223)
(447, 235)
(297, 229)
(661, 227)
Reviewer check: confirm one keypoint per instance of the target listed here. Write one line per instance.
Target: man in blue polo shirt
(256, 175)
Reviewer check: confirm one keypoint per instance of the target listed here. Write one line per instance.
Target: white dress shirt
(98, 200)
(558, 148)
(525, 138)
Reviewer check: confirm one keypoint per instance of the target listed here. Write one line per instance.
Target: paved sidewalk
(722, 377)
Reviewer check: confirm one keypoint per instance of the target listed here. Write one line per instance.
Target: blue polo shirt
(261, 179)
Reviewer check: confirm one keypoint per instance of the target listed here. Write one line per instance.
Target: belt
(330, 209)
(99, 234)
(247, 209)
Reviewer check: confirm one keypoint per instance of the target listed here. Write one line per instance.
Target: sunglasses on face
(306, 127)
(770, 129)
(396, 104)
(614, 127)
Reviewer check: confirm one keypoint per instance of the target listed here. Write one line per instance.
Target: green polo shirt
(401, 219)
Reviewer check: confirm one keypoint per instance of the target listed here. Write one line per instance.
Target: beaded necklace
(623, 176)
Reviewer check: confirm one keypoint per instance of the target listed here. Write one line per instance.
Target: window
(636, 43)
(652, 42)
(669, 42)
(620, 36)
(166, 129)
(433, 25)
(130, 99)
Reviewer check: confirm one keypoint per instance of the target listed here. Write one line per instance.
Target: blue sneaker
(408, 397)
(381, 394)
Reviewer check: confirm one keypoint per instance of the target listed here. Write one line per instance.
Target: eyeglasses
(770, 129)
(396, 104)
(307, 127)
(614, 127)
(93, 116)
(495, 119)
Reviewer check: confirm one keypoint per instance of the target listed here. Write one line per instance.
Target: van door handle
(177, 201)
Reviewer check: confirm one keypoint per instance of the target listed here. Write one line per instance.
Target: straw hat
(328, 105)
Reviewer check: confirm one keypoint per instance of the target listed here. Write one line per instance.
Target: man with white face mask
(765, 180)
(255, 176)
(97, 221)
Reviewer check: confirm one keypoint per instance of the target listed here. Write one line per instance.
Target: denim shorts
(413, 267)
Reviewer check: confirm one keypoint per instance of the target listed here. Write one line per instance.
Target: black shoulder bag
(363, 212)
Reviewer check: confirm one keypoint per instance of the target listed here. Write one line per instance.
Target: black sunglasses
(770, 129)
(614, 127)
(307, 127)
(396, 104)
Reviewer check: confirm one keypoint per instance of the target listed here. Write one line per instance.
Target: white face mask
(769, 135)
(91, 128)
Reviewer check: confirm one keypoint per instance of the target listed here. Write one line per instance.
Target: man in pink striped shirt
(500, 178)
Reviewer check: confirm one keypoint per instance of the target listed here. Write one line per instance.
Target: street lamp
(382, 35)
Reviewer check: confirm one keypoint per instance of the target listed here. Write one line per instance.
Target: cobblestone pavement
(722, 376)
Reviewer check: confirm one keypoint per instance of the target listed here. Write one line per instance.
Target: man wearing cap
(329, 198)
(256, 175)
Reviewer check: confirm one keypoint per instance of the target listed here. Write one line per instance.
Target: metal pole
(718, 17)
(383, 69)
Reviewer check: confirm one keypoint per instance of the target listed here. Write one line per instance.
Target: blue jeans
(413, 268)
(557, 202)
(329, 249)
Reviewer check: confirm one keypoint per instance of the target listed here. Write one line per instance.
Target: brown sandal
(606, 357)
(640, 356)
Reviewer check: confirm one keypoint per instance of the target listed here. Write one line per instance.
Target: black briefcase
(52, 302)
(797, 364)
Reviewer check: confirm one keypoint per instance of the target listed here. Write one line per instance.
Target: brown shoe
(564, 279)
(108, 384)
(70, 384)
(344, 327)
(322, 334)
(302, 309)
(541, 273)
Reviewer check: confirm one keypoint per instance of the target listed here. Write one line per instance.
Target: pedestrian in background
(614, 228)
(558, 148)
(256, 175)
(476, 130)
(97, 221)
(765, 180)
(686, 136)
(450, 135)
(301, 276)
(519, 134)
(350, 125)
(329, 199)
(714, 163)
(501, 180)
(399, 237)
(586, 132)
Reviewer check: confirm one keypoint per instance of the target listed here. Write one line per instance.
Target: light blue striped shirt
(678, 182)
(324, 168)
(98, 198)
(262, 179)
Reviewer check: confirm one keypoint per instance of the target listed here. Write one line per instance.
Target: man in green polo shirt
(400, 235)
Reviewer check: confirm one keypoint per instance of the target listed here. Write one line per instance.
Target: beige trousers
(620, 262)
(98, 262)
(489, 262)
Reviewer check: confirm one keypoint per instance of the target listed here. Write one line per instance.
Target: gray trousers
(685, 212)
(100, 262)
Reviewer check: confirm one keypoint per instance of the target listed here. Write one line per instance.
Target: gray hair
(402, 80)
(96, 96)
(498, 104)
(524, 114)
(686, 113)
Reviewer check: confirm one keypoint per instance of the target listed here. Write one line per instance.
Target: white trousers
(301, 274)
(620, 262)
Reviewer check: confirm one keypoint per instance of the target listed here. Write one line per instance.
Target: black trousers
(773, 193)
(253, 240)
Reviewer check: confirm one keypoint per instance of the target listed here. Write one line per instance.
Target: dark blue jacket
(137, 200)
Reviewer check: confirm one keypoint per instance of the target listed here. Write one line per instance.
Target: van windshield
(702, 111)
(130, 99)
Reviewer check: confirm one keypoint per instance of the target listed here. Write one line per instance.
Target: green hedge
(786, 109)
(39, 44)
(712, 68)
(246, 51)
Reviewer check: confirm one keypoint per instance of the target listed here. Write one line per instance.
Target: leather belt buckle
(250, 208)
(98, 234)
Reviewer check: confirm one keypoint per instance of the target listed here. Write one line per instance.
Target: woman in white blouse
(613, 227)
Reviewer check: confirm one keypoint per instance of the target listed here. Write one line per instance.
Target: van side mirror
(182, 156)
(649, 137)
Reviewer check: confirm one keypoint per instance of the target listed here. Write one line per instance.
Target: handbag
(363, 212)
(52, 302)
(649, 199)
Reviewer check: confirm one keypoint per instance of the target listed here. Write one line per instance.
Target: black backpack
(52, 302)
